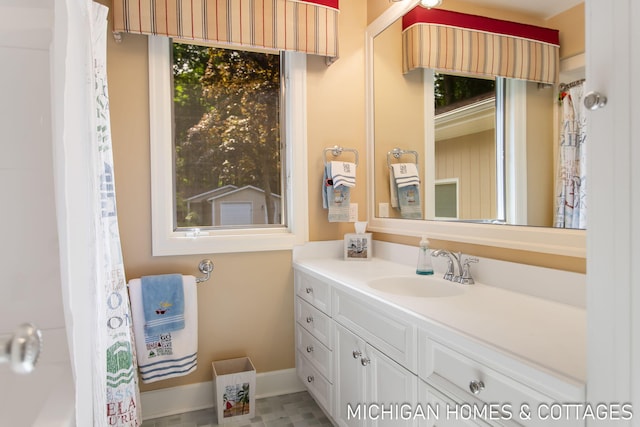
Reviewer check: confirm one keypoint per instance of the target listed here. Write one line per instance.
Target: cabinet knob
(309, 349)
(476, 386)
(309, 290)
(310, 379)
(309, 319)
(356, 354)
(365, 361)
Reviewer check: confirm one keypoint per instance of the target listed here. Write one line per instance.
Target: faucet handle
(466, 277)
(469, 260)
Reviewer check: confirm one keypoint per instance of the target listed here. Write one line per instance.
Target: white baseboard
(192, 397)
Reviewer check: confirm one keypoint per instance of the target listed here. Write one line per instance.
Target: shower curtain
(116, 393)
(571, 177)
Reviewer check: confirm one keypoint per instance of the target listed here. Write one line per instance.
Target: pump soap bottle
(424, 258)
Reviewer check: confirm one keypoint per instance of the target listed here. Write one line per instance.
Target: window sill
(186, 243)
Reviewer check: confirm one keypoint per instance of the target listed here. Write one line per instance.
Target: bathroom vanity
(379, 345)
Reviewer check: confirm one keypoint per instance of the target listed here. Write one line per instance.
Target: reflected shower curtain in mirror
(571, 178)
(116, 394)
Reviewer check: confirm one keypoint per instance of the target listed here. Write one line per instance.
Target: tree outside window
(226, 109)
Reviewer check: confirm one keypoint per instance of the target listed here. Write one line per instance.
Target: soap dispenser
(424, 258)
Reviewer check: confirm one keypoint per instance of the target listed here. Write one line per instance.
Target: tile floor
(289, 410)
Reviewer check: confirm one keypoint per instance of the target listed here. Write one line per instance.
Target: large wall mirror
(485, 150)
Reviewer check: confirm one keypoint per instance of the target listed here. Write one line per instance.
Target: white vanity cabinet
(369, 361)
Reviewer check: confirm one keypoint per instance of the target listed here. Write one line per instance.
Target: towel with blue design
(337, 181)
(164, 309)
(404, 186)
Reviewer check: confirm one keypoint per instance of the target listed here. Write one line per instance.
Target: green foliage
(227, 121)
(454, 91)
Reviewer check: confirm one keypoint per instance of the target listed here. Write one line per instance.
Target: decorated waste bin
(234, 383)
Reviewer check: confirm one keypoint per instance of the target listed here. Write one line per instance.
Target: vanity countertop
(549, 334)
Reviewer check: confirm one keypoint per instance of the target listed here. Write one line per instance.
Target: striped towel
(170, 354)
(405, 174)
(343, 173)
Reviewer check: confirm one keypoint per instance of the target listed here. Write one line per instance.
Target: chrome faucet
(464, 272)
(450, 274)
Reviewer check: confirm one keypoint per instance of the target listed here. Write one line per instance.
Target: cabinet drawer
(315, 352)
(317, 385)
(314, 291)
(448, 370)
(314, 321)
(393, 336)
(440, 411)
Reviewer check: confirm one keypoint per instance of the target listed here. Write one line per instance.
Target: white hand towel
(166, 355)
(393, 189)
(405, 174)
(343, 173)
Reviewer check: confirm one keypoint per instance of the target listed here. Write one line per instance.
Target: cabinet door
(349, 384)
(370, 388)
(391, 389)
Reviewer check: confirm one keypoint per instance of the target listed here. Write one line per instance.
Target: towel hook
(396, 153)
(336, 151)
(205, 267)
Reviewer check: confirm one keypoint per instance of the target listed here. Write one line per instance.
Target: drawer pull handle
(309, 319)
(309, 290)
(476, 386)
(365, 361)
(309, 349)
(356, 354)
(310, 379)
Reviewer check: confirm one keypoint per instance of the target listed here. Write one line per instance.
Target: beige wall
(540, 160)
(335, 116)
(571, 26)
(398, 106)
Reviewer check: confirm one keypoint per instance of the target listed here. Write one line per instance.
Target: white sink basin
(416, 286)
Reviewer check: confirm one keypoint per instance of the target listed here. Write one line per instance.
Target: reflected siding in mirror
(466, 149)
(492, 164)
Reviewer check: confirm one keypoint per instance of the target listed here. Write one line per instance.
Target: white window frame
(165, 240)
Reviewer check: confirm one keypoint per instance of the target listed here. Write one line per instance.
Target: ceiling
(542, 8)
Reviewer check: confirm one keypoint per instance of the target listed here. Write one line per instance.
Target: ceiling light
(430, 3)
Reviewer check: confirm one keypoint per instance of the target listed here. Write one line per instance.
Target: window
(224, 171)
(446, 194)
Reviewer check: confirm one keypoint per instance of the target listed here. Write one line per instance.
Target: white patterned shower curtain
(116, 393)
(571, 178)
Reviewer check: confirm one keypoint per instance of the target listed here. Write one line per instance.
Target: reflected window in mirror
(469, 148)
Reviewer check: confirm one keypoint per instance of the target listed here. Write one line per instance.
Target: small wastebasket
(234, 383)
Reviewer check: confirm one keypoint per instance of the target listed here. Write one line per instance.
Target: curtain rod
(564, 86)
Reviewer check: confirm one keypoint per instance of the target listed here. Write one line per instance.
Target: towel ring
(337, 151)
(205, 267)
(397, 153)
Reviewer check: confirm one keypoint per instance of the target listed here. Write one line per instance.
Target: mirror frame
(532, 239)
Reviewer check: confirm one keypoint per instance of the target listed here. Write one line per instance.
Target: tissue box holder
(357, 246)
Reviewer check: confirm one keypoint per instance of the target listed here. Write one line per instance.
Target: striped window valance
(309, 26)
(458, 42)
